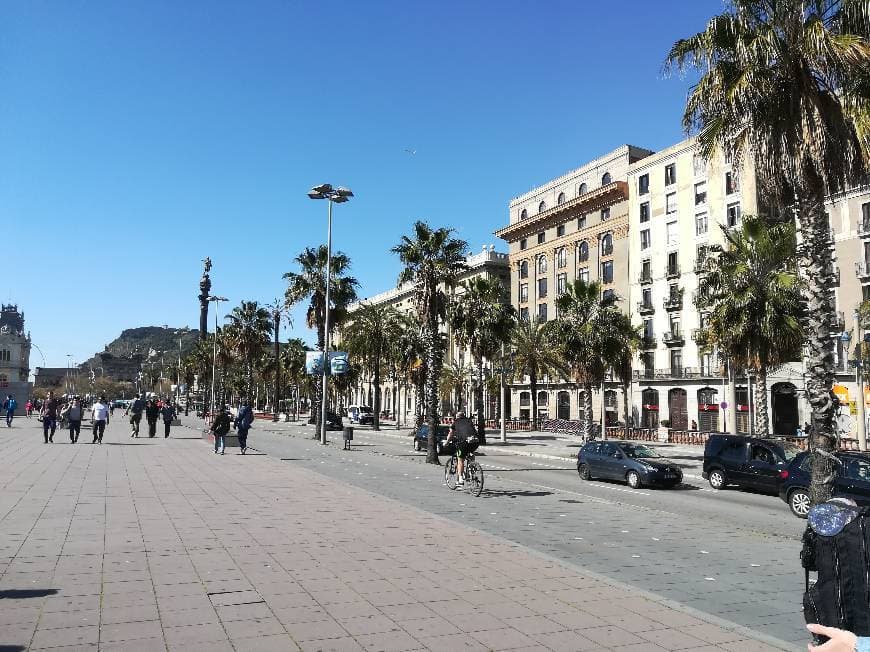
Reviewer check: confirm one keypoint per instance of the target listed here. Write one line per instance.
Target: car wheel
(417, 445)
(799, 502)
(583, 470)
(633, 478)
(717, 479)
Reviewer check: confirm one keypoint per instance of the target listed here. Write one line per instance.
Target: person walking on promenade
(135, 411)
(243, 422)
(100, 417)
(28, 408)
(74, 415)
(168, 414)
(219, 428)
(152, 412)
(9, 405)
(49, 417)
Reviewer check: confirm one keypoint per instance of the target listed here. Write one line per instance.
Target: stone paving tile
(142, 558)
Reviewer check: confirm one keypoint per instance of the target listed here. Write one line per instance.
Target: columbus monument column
(204, 291)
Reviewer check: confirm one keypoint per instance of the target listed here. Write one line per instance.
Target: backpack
(841, 595)
(11, 404)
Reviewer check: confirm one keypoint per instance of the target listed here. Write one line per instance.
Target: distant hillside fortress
(14, 355)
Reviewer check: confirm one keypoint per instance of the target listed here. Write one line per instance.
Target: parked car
(361, 414)
(745, 461)
(334, 422)
(853, 481)
(421, 438)
(634, 462)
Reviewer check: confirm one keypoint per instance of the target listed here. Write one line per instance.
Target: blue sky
(138, 137)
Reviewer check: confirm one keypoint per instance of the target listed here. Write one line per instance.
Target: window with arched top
(583, 252)
(607, 244)
(561, 258)
(524, 214)
(5, 355)
(561, 199)
(524, 269)
(4, 380)
(581, 190)
(542, 264)
(605, 179)
(542, 207)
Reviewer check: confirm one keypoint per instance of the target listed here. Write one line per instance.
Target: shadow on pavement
(517, 493)
(20, 594)
(132, 443)
(11, 648)
(536, 468)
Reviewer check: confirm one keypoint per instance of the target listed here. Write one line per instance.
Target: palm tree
(752, 291)
(451, 386)
(482, 319)
(590, 328)
(536, 354)
(369, 333)
(310, 283)
(249, 330)
(786, 84)
(293, 366)
(433, 258)
(410, 352)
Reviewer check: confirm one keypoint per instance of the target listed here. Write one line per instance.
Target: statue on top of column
(204, 291)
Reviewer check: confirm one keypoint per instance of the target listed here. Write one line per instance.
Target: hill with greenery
(150, 341)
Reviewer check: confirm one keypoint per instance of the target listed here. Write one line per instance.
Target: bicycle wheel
(450, 473)
(474, 478)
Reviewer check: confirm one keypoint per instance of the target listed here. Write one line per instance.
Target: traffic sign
(724, 405)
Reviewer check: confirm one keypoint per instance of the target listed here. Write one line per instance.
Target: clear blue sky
(138, 137)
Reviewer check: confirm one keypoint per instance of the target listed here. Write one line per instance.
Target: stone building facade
(14, 356)
(573, 227)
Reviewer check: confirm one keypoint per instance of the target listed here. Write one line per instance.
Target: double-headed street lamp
(333, 196)
(216, 300)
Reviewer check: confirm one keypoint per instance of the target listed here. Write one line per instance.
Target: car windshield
(638, 451)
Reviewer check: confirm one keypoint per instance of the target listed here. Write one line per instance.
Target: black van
(751, 462)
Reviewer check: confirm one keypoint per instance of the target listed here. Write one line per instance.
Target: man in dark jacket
(243, 423)
(135, 411)
(219, 428)
(168, 414)
(74, 416)
(152, 412)
(460, 432)
(49, 417)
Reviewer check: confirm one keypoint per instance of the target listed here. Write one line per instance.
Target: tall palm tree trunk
(761, 419)
(626, 406)
(588, 417)
(376, 423)
(533, 386)
(433, 372)
(478, 400)
(815, 262)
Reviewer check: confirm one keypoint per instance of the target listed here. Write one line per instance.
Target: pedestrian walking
(100, 417)
(48, 412)
(168, 414)
(219, 428)
(137, 407)
(9, 406)
(28, 408)
(74, 417)
(244, 419)
(152, 412)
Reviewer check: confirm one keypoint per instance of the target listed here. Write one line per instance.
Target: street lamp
(277, 310)
(216, 300)
(333, 196)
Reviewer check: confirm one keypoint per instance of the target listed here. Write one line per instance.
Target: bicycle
(472, 473)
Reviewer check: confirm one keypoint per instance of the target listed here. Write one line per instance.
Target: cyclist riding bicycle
(460, 431)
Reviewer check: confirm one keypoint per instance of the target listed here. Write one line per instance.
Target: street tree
(752, 291)
(536, 355)
(482, 318)
(309, 283)
(248, 332)
(432, 259)
(786, 85)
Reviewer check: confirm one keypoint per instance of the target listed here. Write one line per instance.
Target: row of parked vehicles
(763, 464)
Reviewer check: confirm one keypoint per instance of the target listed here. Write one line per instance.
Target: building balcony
(671, 338)
(701, 266)
(645, 308)
(864, 229)
(863, 271)
(677, 372)
(674, 301)
(672, 271)
(838, 323)
(644, 279)
(648, 342)
(699, 335)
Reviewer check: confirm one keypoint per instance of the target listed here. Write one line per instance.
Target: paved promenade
(153, 544)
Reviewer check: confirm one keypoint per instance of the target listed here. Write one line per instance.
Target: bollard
(348, 437)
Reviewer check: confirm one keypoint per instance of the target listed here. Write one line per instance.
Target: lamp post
(859, 383)
(332, 196)
(214, 347)
(277, 309)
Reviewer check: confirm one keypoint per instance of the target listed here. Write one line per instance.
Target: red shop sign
(708, 407)
(650, 406)
(742, 408)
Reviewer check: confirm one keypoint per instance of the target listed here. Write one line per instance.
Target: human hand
(839, 640)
